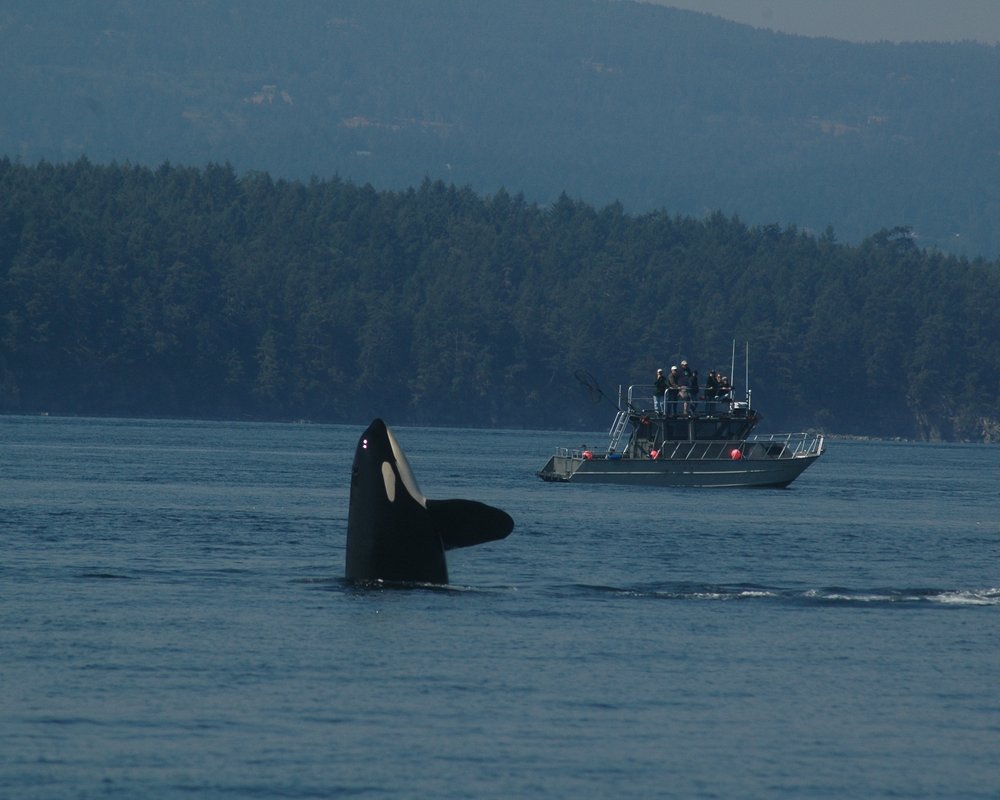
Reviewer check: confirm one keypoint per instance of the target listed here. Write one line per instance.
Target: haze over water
(175, 624)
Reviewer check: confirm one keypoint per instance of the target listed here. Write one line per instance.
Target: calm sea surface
(173, 623)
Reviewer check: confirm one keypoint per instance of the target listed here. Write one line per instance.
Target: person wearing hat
(659, 392)
(684, 378)
(673, 389)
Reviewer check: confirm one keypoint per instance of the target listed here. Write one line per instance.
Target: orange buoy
(736, 455)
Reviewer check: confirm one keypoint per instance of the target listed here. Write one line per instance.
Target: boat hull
(708, 473)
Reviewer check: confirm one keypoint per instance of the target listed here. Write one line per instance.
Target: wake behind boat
(701, 442)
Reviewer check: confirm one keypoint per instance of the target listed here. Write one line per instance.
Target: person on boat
(711, 385)
(684, 379)
(712, 389)
(725, 391)
(693, 388)
(659, 392)
(673, 389)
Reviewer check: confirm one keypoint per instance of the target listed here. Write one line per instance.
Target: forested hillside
(200, 292)
(606, 101)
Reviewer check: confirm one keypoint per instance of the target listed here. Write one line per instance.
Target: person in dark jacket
(712, 389)
(659, 392)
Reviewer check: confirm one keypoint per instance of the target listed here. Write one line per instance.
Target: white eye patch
(389, 478)
(405, 473)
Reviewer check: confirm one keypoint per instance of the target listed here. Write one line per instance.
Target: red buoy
(736, 455)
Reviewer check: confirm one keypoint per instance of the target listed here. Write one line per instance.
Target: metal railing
(641, 396)
(769, 446)
(787, 445)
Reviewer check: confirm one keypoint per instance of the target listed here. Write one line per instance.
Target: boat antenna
(732, 364)
(746, 377)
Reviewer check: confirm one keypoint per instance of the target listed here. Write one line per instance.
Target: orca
(394, 533)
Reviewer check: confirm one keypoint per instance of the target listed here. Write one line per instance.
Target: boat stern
(559, 468)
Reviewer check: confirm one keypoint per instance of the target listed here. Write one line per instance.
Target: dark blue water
(173, 624)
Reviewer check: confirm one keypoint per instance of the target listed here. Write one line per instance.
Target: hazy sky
(862, 20)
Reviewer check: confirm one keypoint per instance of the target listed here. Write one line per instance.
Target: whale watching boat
(699, 442)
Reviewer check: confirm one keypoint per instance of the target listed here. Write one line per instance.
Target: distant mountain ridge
(648, 105)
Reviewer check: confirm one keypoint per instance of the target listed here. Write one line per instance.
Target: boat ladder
(617, 428)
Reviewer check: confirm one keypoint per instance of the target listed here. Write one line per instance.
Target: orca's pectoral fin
(463, 523)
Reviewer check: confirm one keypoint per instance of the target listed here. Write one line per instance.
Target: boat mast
(732, 365)
(746, 374)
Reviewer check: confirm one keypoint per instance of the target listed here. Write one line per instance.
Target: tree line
(198, 292)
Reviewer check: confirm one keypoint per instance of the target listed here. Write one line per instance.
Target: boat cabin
(651, 423)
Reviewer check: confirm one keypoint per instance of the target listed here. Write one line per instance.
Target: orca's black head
(378, 452)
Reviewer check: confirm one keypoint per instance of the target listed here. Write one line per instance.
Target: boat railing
(787, 445)
(582, 452)
(642, 397)
(696, 451)
(772, 446)
(766, 446)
